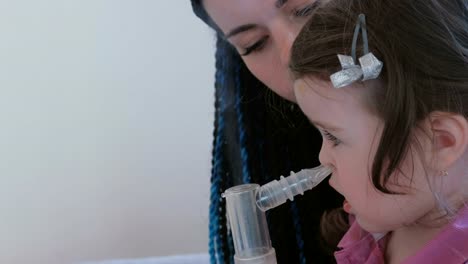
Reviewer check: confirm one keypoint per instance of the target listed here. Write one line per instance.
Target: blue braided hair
(224, 252)
(216, 241)
(297, 224)
(244, 153)
(257, 137)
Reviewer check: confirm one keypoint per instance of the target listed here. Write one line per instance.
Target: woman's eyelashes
(307, 10)
(261, 43)
(330, 137)
(256, 47)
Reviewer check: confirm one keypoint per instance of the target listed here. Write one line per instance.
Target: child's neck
(406, 241)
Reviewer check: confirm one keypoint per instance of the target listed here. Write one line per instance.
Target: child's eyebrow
(324, 125)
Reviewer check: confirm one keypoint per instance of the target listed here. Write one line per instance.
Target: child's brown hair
(424, 47)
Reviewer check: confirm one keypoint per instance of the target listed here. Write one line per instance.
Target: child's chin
(371, 228)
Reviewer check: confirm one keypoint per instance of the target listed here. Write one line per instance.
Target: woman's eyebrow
(240, 29)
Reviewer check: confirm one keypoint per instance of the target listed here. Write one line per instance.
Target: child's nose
(324, 157)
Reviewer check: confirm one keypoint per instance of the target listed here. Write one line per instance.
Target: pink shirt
(450, 246)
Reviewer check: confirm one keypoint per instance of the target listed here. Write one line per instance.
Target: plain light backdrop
(106, 111)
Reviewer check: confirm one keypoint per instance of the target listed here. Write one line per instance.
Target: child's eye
(332, 138)
(257, 46)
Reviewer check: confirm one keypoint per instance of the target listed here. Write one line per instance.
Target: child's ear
(450, 138)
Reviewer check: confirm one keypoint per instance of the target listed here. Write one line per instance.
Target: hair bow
(369, 66)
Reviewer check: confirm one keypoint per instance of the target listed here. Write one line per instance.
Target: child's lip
(331, 183)
(347, 207)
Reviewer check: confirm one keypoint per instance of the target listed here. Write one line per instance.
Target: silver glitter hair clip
(369, 66)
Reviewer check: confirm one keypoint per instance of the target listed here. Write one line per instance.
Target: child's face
(351, 135)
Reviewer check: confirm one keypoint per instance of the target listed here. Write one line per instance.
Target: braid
(214, 187)
(217, 225)
(298, 229)
(296, 217)
(244, 154)
(253, 117)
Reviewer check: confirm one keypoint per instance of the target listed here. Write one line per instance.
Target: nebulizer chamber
(246, 205)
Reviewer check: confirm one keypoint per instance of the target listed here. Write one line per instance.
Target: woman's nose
(285, 48)
(285, 32)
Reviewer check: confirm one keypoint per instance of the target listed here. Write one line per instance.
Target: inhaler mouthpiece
(277, 192)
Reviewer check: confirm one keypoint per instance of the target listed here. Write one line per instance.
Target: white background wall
(106, 110)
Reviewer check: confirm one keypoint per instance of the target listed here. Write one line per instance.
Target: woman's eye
(307, 10)
(332, 138)
(257, 46)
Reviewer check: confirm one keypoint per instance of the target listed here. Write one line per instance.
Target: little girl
(392, 110)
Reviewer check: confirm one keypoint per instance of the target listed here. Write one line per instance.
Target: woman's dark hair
(258, 136)
(424, 47)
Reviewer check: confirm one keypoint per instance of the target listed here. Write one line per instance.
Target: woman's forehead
(228, 14)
